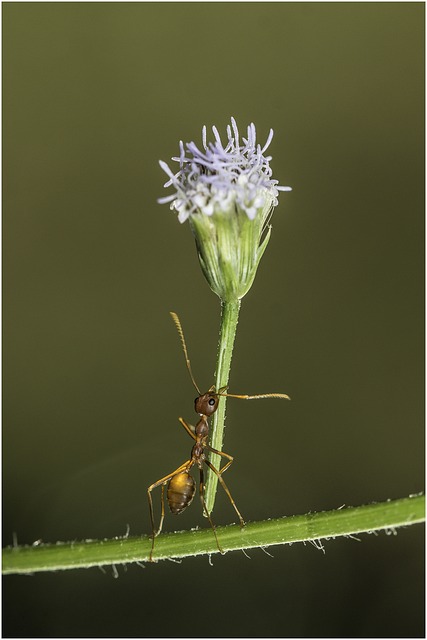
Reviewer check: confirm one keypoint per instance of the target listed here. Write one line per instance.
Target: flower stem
(227, 333)
(385, 516)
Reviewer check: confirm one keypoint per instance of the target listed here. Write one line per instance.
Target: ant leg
(162, 482)
(224, 455)
(187, 427)
(202, 498)
(162, 517)
(224, 486)
(153, 528)
(162, 510)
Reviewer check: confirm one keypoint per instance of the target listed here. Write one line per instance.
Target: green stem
(310, 527)
(227, 334)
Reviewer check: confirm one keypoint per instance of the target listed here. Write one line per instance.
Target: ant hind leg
(205, 509)
(226, 489)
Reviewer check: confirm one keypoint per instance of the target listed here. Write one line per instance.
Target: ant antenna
(262, 395)
(184, 346)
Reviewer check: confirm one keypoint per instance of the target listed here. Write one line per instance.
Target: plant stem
(310, 527)
(227, 334)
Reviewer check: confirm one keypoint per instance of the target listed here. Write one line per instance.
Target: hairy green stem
(306, 528)
(227, 334)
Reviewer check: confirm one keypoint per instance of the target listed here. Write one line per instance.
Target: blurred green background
(94, 377)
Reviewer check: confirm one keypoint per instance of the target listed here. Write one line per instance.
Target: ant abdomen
(181, 491)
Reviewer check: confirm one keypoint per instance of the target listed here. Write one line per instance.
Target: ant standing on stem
(182, 487)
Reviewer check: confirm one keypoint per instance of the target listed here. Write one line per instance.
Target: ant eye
(211, 401)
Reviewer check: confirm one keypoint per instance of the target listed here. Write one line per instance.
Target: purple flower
(220, 179)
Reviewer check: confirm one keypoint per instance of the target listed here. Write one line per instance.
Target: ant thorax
(202, 427)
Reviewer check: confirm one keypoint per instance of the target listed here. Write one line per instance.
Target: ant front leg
(189, 429)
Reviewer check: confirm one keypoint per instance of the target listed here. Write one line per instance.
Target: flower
(228, 195)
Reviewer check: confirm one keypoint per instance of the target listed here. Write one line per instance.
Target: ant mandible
(181, 488)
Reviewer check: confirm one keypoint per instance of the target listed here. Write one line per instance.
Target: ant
(181, 488)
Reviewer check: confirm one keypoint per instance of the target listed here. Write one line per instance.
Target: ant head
(207, 403)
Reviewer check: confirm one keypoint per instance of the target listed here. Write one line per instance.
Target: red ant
(181, 488)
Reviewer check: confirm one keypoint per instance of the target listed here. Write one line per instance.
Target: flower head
(228, 195)
(213, 180)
